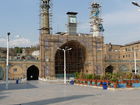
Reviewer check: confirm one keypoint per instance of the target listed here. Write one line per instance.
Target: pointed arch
(109, 69)
(75, 58)
(1, 73)
(32, 73)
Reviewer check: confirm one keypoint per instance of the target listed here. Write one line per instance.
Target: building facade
(73, 51)
(123, 58)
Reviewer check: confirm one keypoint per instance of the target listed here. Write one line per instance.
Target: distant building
(123, 58)
(36, 54)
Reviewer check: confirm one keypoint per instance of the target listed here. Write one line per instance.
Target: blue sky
(21, 18)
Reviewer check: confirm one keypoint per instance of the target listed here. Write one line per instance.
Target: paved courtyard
(53, 93)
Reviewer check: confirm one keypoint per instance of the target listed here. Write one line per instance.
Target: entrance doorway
(1, 73)
(32, 73)
(109, 69)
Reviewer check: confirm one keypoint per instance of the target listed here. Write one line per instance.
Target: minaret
(44, 32)
(44, 17)
(96, 21)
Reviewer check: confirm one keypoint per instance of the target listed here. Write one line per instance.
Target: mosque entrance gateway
(75, 59)
(32, 73)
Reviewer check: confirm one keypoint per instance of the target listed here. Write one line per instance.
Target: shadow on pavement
(14, 86)
(2, 97)
(56, 100)
(3, 94)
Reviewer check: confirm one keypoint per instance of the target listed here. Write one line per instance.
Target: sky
(121, 20)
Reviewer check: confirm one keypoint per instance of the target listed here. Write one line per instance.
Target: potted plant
(90, 77)
(114, 79)
(129, 83)
(129, 77)
(97, 78)
(115, 82)
(77, 80)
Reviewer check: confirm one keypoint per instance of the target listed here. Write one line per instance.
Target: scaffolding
(51, 16)
(95, 20)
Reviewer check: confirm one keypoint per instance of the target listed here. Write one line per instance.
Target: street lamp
(135, 61)
(64, 50)
(135, 3)
(7, 60)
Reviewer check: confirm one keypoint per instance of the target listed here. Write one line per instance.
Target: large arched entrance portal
(75, 59)
(32, 73)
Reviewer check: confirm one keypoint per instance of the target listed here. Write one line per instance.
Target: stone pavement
(49, 93)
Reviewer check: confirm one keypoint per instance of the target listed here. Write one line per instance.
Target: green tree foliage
(108, 76)
(18, 50)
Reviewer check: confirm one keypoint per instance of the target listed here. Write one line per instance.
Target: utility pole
(135, 62)
(7, 60)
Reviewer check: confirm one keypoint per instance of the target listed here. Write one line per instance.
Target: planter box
(98, 83)
(88, 82)
(136, 81)
(136, 85)
(122, 85)
(111, 85)
(93, 83)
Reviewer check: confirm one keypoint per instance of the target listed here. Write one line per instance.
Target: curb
(97, 87)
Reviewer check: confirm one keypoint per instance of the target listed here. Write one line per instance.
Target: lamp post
(64, 50)
(7, 60)
(135, 62)
(135, 3)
